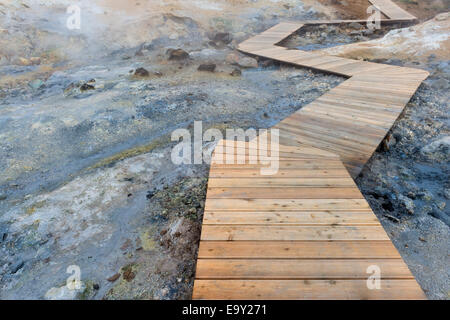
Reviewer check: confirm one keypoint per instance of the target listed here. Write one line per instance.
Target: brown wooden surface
(306, 232)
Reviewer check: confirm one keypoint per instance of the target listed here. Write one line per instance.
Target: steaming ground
(85, 171)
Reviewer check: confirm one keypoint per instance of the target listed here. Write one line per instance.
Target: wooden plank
(281, 182)
(317, 164)
(284, 193)
(285, 204)
(391, 10)
(226, 172)
(287, 232)
(300, 269)
(293, 217)
(305, 289)
(297, 250)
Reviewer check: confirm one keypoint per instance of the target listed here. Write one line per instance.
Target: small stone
(96, 286)
(422, 239)
(388, 142)
(440, 84)
(129, 275)
(223, 37)
(35, 60)
(141, 72)
(23, 62)
(426, 195)
(177, 54)
(236, 72)
(209, 67)
(232, 58)
(150, 195)
(442, 16)
(248, 62)
(392, 218)
(432, 57)
(86, 86)
(164, 291)
(355, 25)
(17, 266)
(3, 197)
(173, 36)
(407, 203)
(192, 210)
(36, 83)
(439, 146)
(446, 193)
(126, 245)
(114, 277)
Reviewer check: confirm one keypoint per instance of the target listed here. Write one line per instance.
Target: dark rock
(209, 67)
(441, 216)
(392, 218)
(387, 205)
(266, 63)
(223, 37)
(96, 286)
(177, 54)
(86, 86)
(114, 277)
(236, 72)
(3, 197)
(388, 142)
(126, 245)
(141, 72)
(150, 195)
(128, 274)
(17, 266)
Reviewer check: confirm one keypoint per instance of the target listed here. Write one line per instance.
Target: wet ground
(85, 171)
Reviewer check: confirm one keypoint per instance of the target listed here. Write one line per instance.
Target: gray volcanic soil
(85, 172)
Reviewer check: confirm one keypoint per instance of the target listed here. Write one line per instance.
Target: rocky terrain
(86, 116)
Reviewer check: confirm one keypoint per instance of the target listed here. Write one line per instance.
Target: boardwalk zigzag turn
(307, 232)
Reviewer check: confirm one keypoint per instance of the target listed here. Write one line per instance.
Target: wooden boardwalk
(306, 232)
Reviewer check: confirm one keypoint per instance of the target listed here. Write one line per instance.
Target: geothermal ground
(86, 117)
